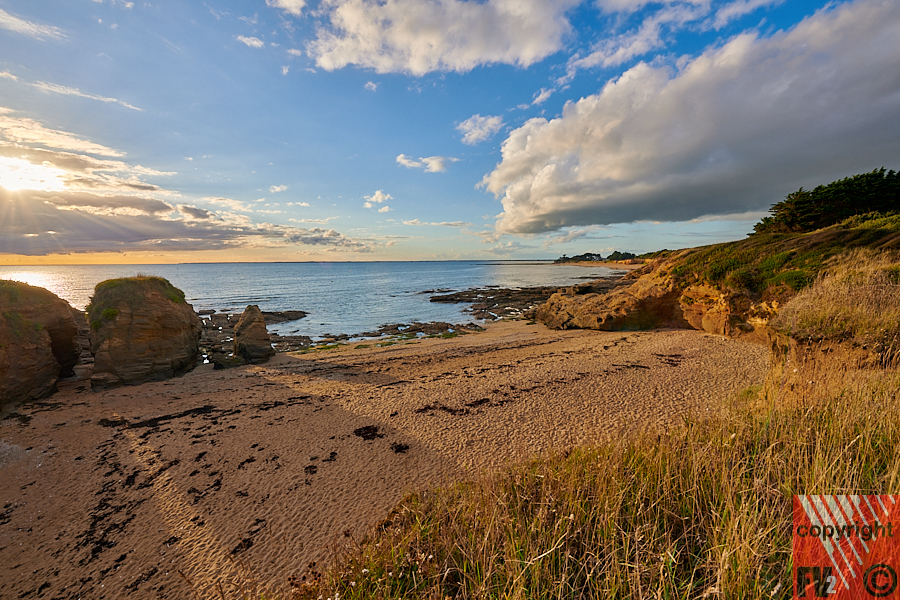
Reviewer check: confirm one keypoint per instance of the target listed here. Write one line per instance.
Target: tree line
(807, 210)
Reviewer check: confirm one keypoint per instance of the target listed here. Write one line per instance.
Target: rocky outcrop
(141, 330)
(37, 341)
(726, 312)
(251, 340)
(655, 298)
(651, 301)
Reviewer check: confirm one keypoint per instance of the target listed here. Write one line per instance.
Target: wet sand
(242, 477)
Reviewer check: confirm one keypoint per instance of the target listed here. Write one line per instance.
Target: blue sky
(174, 131)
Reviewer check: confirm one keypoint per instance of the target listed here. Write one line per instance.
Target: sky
(342, 130)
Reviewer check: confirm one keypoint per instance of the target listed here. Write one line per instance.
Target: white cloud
(319, 221)
(421, 36)
(431, 164)
(251, 41)
(278, 188)
(294, 7)
(542, 96)
(437, 164)
(649, 36)
(377, 198)
(67, 91)
(21, 130)
(8, 75)
(569, 236)
(40, 169)
(34, 30)
(193, 212)
(295, 52)
(441, 224)
(385, 209)
(229, 203)
(632, 6)
(285, 70)
(739, 8)
(476, 128)
(408, 162)
(509, 248)
(371, 86)
(734, 130)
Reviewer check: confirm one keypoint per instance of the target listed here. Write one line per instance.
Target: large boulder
(141, 330)
(37, 341)
(251, 339)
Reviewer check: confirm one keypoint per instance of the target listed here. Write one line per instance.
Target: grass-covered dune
(779, 264)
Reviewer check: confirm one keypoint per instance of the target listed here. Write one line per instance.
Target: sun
(18, 174)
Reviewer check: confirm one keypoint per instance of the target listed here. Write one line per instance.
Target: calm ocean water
(339, 297)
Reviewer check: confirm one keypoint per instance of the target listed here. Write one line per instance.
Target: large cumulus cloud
(729, 131)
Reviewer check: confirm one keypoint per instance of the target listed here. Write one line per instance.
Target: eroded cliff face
(658, 298)
(144, 335)
(37, 341)
(726, 312)
(801, 370)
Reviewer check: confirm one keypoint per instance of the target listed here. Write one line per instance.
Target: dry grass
(855, 301)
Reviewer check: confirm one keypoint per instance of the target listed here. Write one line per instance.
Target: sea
(338, 297)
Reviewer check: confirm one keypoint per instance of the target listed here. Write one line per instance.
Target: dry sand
(243, 477)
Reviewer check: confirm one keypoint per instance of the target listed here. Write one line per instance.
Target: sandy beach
(243, 477)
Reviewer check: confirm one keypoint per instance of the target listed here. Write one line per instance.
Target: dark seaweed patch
(369, 432)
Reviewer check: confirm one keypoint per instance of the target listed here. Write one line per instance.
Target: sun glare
(17, 174)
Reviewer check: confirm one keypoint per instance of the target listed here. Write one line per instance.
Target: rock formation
(141, 330)
(657, 298)
(251, 340)
(651, 301)
(37, 341)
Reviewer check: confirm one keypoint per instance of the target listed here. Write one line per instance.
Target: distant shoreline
(608, 265)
